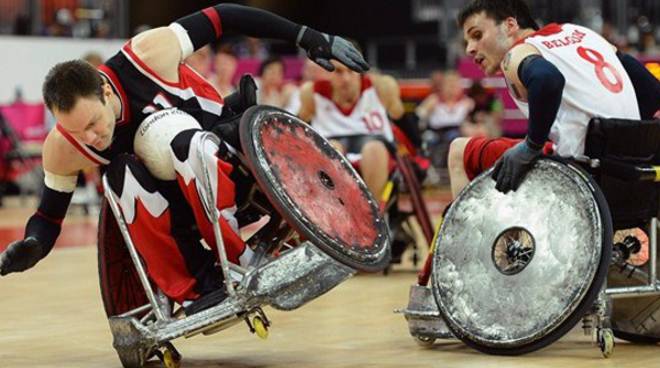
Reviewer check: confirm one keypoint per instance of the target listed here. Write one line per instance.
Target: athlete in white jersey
(560, 76)
(354, 112)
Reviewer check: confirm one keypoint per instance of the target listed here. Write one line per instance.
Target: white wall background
(25, 61)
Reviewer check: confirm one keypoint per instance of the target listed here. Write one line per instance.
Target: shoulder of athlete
(511, 63)
(389, 93)
(159, 49)
(61, 158)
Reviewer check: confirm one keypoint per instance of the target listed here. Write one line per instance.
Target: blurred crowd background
(416, 41)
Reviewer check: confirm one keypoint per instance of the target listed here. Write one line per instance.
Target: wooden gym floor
(52, 316)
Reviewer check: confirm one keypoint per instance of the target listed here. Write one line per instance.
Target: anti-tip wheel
(260, 327)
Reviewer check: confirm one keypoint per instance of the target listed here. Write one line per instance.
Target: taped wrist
(45, 225)
(545, 86)
(208, 25)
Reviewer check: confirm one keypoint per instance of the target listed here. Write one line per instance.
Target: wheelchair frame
(426, 323)
(295, 277)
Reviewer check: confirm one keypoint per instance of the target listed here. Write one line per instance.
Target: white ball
(153, 137)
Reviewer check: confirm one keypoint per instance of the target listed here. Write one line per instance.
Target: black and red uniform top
(141, 92)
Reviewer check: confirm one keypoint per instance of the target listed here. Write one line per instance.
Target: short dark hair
(70, 80)
(499, 10)
(269, 61)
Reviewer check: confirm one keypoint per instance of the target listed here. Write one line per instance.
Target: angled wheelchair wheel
(314, 188)
(513, 273)
(121, 289)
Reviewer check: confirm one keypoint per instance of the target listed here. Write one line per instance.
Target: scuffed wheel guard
(314, 188)
(121, 289)
(559, 233)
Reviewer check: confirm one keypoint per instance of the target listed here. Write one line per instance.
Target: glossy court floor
(52, 316)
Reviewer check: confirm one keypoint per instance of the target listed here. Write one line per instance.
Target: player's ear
(511, 25)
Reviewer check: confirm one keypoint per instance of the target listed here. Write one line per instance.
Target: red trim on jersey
(549, 30)
(125, 106)
(188, 77)
(129, 50)
(324, 88)
(74, 142)
(214, 17)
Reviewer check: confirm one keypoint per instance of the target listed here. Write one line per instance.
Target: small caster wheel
(168, 354)
(170, 361)
(606, 342)
(260, 327)
(424, 341)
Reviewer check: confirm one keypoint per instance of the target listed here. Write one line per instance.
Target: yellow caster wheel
(169, 360)
(424, 341)
(260, 327)
(606, 342)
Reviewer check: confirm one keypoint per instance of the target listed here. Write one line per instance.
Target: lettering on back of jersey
(572, 39)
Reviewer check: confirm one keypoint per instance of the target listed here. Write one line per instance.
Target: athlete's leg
(189, 167)
(174, 258)
(374, 166)
(458, 178)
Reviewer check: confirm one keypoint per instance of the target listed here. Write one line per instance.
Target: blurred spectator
(486, 116)
(63, 24)
(273, 90)
(251, 48)
(200, 61)
(225, 64)
(610, 33)
(443, 112)
(93, 58)
(648, 46)
(310, 72)
(447, 108)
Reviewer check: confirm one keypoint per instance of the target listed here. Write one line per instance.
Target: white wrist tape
(60, 183)
(184, 40)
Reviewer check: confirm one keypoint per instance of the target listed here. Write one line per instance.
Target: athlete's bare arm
(159, 49)
(389, 93)
(61, 158)
(307, 106)
(510, 65)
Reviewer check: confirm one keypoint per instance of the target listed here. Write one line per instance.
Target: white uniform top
(367, 117)
(444, 115)
(596, 83)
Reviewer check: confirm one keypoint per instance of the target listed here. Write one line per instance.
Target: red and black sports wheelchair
(322, 226)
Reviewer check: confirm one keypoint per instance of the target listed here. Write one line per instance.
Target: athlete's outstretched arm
(61, 164)
(158, 47)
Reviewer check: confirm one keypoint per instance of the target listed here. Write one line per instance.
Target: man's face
(90, 121)
(345, 81)
(273, 75)
(486, 41)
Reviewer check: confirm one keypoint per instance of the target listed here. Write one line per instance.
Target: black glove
(510, 170)
(321, 48)
(21, 255)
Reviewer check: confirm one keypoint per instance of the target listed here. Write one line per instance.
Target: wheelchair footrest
(296, 277)
(423, 316)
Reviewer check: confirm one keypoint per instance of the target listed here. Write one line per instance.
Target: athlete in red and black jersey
(98, 113)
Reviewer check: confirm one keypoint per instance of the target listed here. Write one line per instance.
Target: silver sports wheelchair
(322, 226)
(513, 273)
